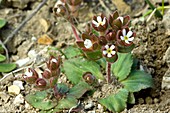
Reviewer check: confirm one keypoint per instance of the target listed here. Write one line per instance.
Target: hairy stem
(75, 33)
(108, 71)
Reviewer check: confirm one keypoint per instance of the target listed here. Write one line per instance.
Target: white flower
(109, 51)
(87, 43)
(121, 18)
(54, 60)
(99, 21)
(127, 37)
(28, 73)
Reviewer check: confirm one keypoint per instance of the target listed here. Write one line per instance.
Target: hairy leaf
(122, 67)
(116, 102)
(7, 67)
(72, 51)
(78, 90)
(40, 100)
(137, 80)
(2, 58)
(76, 67)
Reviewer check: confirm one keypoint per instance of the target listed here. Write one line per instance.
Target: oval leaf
(137, 80)
(2, 22)
(72, 51)
(122, 67)
(2, 58)
(7, 67)
(40, 100)
(76, 67)
(116, 102)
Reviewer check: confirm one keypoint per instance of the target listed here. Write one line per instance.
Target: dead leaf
(45, 40)
(45, 23)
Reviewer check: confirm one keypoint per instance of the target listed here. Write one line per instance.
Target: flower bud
(40, 83)
(111, 36)
(60, 10)
(89, 78)
(46, 74)
(30, 75)
(53, 63)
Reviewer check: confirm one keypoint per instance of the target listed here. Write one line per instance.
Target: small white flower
(121, 18)
(87, 43)
(127, 37)
(54, 60)
(99, 21)
(109, 51)
(58, 10)
(28, 73)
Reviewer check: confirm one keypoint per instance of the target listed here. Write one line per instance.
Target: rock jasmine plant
(106, 44)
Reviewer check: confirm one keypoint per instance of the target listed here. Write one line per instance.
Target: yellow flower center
(125, 37)
(109, 51)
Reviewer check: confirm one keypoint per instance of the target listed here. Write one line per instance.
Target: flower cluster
(48, 78)
(67, 8)
(114, 36)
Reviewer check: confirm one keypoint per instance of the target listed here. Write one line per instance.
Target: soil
(151, 42)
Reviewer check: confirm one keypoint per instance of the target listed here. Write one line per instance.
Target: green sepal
(126, 49)
(112, 59)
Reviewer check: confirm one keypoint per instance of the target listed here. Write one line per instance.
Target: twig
(25, 21)
(6, 50)
(15, 71)
(151, 15)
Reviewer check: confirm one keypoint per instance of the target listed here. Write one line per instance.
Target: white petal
(28, 74)
(54, 60)
(131, 39)
(121, 18)
(104, 20)
(124, 32)
(112, 47)
(87, 43)
(95, 23)
(109, 55)
(113, 52)
(127, 41)
(106, 46)
(99, 19)
(129, 34)
(122, 38)
(104, 52)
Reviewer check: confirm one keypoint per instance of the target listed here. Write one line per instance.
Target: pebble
(89, 105)
(148, 100)
(13, 89)
(166, 80)
(27, 106)
(166, 57)
(23, 62)
(140, 100)
(19, 84)
(4, 96)
(91, 112)
(19, 99)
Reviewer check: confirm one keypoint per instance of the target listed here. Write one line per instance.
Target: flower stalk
(75, 33)
(108, 71)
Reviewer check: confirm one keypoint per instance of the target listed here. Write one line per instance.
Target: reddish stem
(75, 33)
(108, 71)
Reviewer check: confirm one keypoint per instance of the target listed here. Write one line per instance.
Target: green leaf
(72, 51)
(2, 22)
(78, 90)
(137, 80)
(63, 88)
(76, 67)
(122, 67)
(40, 100)
(7, 67)
(131, 98)
(102, 62)
(65, 103)
(116, 102)
(2, 58)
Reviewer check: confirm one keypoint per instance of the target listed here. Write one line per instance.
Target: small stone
(89, 105)
(13, 89)
(19, 99)
(27, 106)
(19, 84)
(148, 100)
(32, 54)
(140, 100)
(156, 100)
(91, 112)
(4, 96)
(166, 80)
(166, 57)
(23, 62)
